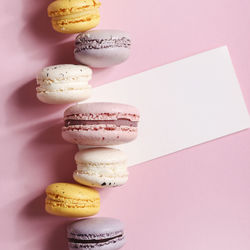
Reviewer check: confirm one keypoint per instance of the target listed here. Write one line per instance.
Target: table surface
(196, 199)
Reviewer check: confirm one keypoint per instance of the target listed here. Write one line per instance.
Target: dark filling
(93, 241)
(118, 123)
(84, 44)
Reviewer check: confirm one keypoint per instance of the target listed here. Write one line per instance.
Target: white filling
(103, 170)
(63, 87)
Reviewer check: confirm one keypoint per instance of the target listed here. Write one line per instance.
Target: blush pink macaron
(100, 124)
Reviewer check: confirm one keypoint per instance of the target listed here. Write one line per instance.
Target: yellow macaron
(71, 200)
(74, 16)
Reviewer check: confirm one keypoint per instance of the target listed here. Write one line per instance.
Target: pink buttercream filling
(118, 123)
(107, 127)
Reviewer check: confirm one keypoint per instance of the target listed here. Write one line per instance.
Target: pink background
(196, 199)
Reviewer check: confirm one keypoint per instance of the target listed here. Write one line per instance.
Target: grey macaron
(102, 48)
(96, 234)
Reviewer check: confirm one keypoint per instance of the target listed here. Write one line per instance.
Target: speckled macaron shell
(101, 167)
(71, 200)
(65, 83)
(102, 48)
(96, 234)
(101, 132)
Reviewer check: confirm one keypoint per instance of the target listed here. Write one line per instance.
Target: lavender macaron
(96, 234)
(102, 48)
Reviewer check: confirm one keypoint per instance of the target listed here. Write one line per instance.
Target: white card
(182, 104)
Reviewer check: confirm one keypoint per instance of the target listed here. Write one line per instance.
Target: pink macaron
(100, 124)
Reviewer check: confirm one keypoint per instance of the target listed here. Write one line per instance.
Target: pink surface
(197, 199)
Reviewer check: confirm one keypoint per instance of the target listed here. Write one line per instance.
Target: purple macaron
(96, 234)
(102, 48)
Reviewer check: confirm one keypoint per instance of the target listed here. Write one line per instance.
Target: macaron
(102, 48)
(62, 84)
(71, 200)
(101, 167)
(100, 124)
(96, 234)
(74, 16)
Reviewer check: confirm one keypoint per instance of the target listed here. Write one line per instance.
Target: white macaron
(101, 167)
(65, 83)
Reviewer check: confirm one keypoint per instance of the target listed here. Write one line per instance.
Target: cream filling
(121, 164)
(68, 11)
(80, 15)
(60, 201)
(63, 79)
(44, 88)
(103, 170)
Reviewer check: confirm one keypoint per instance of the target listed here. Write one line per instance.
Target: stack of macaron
(96, 126)
(95, 48)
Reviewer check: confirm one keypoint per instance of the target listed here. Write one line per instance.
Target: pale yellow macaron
(74, 16)
(71, 200)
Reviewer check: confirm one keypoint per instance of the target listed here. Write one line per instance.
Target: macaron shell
(56, 73)
(97, 225)
(102, 58)
(73, 191)
(64, 97)
(102, 155)
(100, 181)
(68, 7)
(99, 137)
(101, 107)
(103, 34)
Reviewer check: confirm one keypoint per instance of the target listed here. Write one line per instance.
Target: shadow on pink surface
(34, 208)
(48, 147)
(58, 238)
(50, 135)
(54, 228)
(57, 157)
(26, 107)
(102, 75)
(63, 53)
(23, 101)
(38, 25)
(38, 38)
(51, 161)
